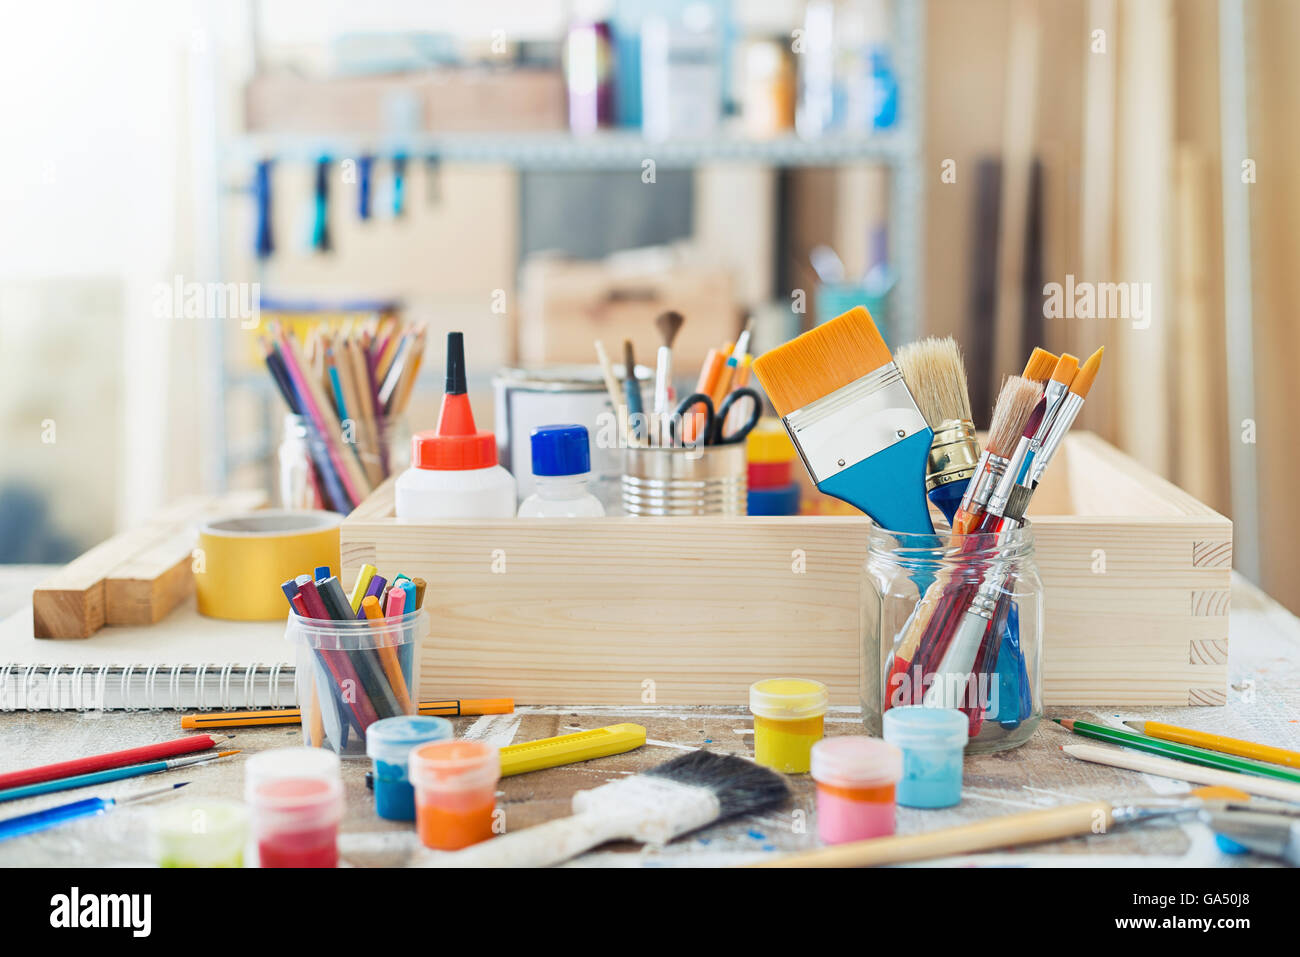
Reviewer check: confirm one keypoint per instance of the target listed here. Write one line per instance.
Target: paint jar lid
(295, 782)
(391, 739)
(856, 761)
(788, 699)
(454, 766)
(916, 726)
(200, 833)
(769, 442)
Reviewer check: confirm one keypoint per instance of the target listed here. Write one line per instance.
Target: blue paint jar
(932, 741)
(389, 743)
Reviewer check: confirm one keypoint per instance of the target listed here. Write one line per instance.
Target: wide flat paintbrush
(936, 375)
(687, 793)
(853, 420)
(1040, 365)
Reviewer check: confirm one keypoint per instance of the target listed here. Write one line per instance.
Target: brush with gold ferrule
(853, 419)
(935, 373)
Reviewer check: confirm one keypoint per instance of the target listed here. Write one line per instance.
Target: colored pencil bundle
(359, 663)
(348, 384)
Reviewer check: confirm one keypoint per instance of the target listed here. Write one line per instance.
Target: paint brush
(54, 816)
(996, 508)
(853, 420)
(1014, 405)
(668, 324)
(633, 391)
(1040, 365)
(1010, 830)
(114, 774)
(936, 374)
(1066, 413)
(685, 794)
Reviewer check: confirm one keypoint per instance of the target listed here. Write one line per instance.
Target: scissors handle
(704, 435)
(720, 435)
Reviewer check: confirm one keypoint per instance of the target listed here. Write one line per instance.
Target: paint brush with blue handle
(853, 420)
(54, 816)
(935, 373)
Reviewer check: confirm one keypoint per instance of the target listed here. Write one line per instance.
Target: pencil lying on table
(441, 707)
(1179, 752)
(113, 759)
(1217, 742)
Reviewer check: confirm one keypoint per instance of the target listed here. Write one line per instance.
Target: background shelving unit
(898, 149)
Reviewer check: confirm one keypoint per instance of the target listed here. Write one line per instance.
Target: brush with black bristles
(1015, 404)
(685, 794)
(936, 375)
(668, 324)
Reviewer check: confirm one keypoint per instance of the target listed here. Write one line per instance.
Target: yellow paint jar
(789, 714)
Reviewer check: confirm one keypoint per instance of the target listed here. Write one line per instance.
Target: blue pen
(54, 816)
(113, 774)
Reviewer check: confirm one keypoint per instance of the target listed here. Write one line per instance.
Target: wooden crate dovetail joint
(621, 611)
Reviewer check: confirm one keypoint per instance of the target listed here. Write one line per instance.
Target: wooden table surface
(1263, 704)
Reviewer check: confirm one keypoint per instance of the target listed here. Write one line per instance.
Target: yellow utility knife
(570, 748)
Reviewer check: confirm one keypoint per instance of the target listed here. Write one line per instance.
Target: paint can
(528, 398)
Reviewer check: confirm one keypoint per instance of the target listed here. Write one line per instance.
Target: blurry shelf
(564, 151)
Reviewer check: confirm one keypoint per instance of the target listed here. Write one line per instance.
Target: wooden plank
(71, 602)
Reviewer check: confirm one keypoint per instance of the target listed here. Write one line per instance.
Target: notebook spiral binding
(140, 688)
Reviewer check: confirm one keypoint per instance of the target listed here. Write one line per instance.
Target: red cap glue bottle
(454, 471)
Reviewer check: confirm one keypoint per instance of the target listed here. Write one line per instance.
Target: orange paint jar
(455, 792)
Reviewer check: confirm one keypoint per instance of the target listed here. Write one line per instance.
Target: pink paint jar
(296, 797)
(855, 779)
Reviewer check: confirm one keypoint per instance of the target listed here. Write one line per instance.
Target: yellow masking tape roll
(241, 561)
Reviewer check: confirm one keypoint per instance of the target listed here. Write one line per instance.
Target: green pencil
(1180, 752)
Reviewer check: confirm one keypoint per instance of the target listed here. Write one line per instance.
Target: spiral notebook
(185, 662)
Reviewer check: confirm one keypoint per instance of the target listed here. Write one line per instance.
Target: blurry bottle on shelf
(847, 81)
(768, 88)
(589, 76)
(681, 73)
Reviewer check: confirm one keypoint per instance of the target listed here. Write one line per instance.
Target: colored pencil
(113, 774)
(1184, 771)
(112, 759)
(1217, 742)
(441, 707)
(1179, 752)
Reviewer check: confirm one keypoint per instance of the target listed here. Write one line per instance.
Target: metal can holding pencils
(350, 674)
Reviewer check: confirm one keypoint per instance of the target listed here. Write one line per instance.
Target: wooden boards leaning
(134, 578)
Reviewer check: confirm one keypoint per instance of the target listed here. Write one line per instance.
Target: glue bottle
(454, 471)
(562, 466)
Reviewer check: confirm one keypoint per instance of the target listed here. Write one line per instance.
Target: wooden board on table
(134, 578)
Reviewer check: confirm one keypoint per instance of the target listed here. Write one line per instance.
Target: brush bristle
(1040, 365)
(741, 787)
(1066, 367)
(669, 324)
(1015, 404)
(1087, 372)
(821, 360)
(936, 375)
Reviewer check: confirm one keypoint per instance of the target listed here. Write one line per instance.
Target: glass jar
(303, 454)
(954, 621)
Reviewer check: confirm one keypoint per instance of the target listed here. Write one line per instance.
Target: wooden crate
(625, 611)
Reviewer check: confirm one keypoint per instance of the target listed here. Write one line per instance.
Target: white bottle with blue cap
(561, 466)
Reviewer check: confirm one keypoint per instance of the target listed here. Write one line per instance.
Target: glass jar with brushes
(382, 454)
(954, 621)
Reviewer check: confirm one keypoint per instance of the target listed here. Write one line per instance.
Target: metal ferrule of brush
(854, 422)
(981, 488)
(954, 454)
(997, 503)
(1061, 423)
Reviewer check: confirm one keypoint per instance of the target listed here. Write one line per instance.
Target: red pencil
(114, 759)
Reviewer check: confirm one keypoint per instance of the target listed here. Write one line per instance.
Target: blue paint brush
(853, 420)
(935, 373)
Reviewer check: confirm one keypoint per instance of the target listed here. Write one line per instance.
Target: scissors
(716, 421)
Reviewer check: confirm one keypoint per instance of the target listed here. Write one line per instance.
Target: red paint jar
(296, 797)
